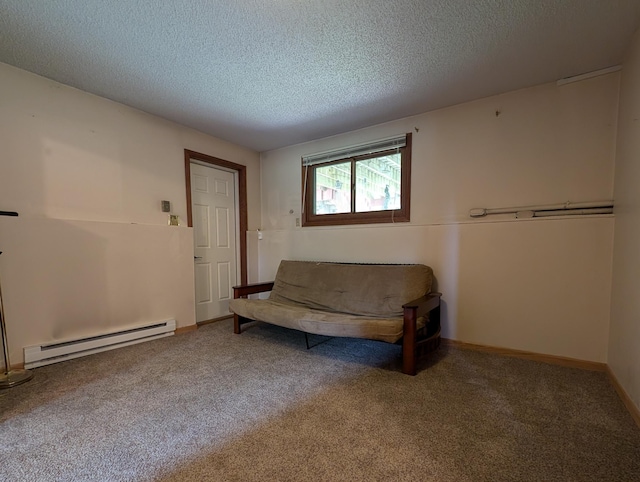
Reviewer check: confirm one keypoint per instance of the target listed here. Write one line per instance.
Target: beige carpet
(210, 405)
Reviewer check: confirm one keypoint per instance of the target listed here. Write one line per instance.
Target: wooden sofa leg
(236, 324)
(409, 344)
(408, 361)
(238, 321)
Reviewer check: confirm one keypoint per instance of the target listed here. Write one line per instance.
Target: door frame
(241, 200)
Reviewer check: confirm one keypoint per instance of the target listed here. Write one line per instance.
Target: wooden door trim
(242, 199)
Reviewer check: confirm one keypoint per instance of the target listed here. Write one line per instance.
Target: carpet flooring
(209, 405)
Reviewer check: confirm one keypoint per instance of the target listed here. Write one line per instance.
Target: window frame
(310, 218)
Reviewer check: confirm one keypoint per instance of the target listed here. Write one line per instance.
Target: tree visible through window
(363, 184)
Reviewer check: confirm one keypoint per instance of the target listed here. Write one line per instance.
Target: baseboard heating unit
(39, 355)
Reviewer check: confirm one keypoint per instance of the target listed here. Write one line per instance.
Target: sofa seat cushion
(320, 322)
(355, 289)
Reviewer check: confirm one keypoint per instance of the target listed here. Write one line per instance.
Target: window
(369, 183)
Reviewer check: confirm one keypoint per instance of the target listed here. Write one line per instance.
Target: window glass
(378, 184)
(333, 189)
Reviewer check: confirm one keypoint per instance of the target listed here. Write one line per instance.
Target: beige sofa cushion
(321, 322)
(360, 289)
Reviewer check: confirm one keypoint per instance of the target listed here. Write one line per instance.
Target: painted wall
(624, 344)
(536, 285)
(91, 250)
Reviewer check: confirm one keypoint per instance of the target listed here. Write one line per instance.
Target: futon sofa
(385, 302)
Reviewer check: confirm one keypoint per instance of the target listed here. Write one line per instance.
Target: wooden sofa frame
(415, 343)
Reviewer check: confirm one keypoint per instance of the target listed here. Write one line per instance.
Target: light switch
(166, 206)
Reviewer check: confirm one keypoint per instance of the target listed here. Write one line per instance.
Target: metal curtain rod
(568, 206)
(8, 213)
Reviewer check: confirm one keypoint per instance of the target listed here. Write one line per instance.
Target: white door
(214, 236)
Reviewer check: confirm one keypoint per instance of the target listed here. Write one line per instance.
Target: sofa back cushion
(357, 289)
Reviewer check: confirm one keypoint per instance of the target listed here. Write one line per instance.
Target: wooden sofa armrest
(242, 291)
(428, 304)
(424, 304)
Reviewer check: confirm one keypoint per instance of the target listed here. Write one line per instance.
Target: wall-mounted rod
(588, 75)
(8, 213)
(567, 208)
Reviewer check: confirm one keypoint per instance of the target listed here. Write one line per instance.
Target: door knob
(197, 257)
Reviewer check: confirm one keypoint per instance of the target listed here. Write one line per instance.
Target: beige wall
(537, 285)
(91, 249)
(624, 344)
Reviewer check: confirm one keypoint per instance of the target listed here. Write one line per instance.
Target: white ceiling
(270, 73)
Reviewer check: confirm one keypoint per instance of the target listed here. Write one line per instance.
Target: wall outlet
(297, 222)
(174, 220)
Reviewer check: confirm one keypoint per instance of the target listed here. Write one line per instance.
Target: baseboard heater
(40, 355)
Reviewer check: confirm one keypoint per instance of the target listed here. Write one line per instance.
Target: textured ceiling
(271, 73)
